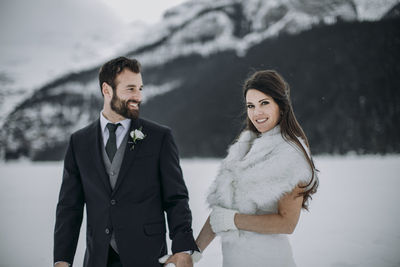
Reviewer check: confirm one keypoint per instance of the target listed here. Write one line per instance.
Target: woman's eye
(265, 103)
(250, 106)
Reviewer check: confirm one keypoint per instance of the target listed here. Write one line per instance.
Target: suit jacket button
(113, 202)
(107, 231)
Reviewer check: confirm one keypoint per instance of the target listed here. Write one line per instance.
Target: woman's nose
(258, 111)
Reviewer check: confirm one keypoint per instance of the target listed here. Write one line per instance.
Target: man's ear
(106, 89)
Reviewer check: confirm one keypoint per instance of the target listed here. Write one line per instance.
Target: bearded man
(126, 171)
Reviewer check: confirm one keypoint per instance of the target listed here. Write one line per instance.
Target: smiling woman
(262, 110)
(266, 179)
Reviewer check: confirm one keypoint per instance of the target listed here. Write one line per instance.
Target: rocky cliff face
(212, 44)
(207, 27)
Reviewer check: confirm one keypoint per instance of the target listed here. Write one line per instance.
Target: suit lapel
(98, 158)
(129, 156)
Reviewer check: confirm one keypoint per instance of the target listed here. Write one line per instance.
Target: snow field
(353, 219)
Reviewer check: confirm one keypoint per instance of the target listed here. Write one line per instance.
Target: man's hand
(180, 259)
(61, 264)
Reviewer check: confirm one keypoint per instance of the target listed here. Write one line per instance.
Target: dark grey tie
(111, 146)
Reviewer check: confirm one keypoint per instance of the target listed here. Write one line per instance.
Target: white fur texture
(257, 172)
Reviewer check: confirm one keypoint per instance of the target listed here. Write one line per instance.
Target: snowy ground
(354, 219)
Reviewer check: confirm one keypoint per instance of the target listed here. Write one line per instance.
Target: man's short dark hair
(109, 71)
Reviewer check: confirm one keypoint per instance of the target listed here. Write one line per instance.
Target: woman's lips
(261, 120)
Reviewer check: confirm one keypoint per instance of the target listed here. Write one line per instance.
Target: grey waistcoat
(113, 171)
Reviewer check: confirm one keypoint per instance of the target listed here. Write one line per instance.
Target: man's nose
(137, 96)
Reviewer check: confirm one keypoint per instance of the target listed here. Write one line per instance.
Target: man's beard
(121, 107)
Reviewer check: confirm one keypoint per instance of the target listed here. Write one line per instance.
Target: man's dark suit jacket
(150, 182)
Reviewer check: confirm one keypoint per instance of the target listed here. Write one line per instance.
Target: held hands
(180, 259)
(222, 219)
(61, 264)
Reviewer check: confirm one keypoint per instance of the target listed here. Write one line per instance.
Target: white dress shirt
(120, 132)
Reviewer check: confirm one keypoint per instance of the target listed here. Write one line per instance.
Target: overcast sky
(37, 35)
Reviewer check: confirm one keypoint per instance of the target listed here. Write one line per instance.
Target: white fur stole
(257, 172)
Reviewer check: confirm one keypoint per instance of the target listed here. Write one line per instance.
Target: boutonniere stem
(136, 135)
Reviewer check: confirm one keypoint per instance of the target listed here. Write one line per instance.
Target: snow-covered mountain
(42, 40)
(38, 36)
(206, 27)
(43, 120)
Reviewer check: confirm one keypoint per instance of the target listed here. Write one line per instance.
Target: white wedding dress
(252, 249)
(252, 178)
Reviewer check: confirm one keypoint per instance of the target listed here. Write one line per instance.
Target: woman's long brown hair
(272, 83)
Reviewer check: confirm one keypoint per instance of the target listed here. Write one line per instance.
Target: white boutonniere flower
(136, 135)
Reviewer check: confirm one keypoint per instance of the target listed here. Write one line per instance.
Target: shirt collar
(126, 123)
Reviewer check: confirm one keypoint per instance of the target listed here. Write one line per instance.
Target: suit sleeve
(175, 197)
(69, 211)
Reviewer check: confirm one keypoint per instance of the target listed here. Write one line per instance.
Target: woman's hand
(222, 219)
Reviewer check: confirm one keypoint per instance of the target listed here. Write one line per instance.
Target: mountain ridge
(39, 127)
